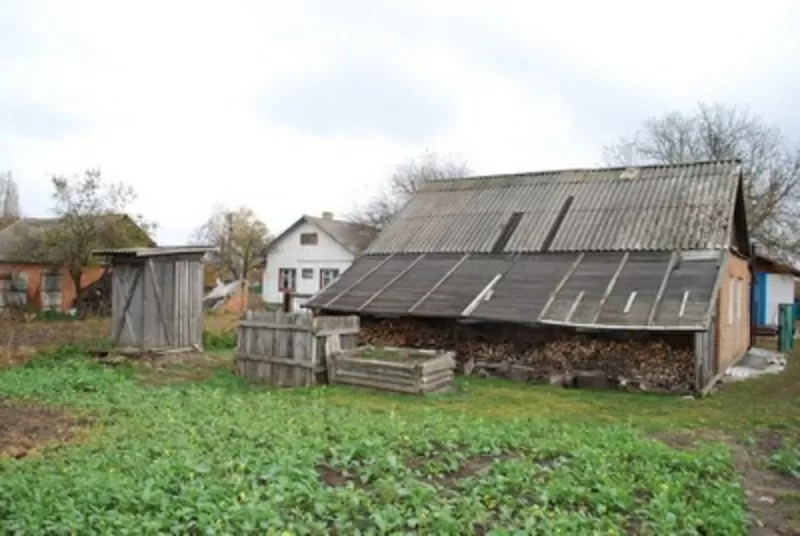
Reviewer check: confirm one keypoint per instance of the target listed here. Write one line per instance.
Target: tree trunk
(80, 305)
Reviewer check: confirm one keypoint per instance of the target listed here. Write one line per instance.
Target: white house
(310, 255)
(774, 285)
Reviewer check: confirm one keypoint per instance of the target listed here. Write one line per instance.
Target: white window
(731, 300)
(327, 276)
(287, 279)
(308, 273)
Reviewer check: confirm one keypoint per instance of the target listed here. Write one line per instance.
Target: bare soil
(188, 367)
(773, 500)
(15, 333)
(23, 428)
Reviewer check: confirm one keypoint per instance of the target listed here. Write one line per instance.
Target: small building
(647, 253)
(774, 285)
(310, 255)
(157, 297)
(29, 276)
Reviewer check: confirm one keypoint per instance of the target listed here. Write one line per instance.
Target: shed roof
(354, 237)
(646, 208)
(603, 290)
(155, 252)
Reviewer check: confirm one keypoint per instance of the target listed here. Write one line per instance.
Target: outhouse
(156, 298)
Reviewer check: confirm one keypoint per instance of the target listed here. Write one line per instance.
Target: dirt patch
(168, 369)
(470, 467)
(332, 477)
(23, 428)
(773, 500)
(37, 333)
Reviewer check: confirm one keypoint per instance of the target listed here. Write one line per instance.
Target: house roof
(13, 238)
(352, 236)
(646, 208)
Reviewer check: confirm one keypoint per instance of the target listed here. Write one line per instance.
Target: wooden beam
(392, 281)
(438, 283)
(560, 285)
(618, 327)
(358, 281)
(159, 308)
(128, 300)
(611, 285)
(722, 270)
(651, 316)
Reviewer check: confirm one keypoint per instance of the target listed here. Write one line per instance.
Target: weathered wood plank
(274, 325)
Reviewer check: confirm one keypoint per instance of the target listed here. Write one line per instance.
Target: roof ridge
(528, 174)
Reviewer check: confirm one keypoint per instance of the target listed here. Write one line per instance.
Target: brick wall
(34, 273)
(733, 318)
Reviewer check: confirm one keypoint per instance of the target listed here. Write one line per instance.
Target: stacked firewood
(647, 364)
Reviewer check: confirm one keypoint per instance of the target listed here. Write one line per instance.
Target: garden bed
(400, 370)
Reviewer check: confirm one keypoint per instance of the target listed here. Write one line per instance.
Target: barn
(566, 271)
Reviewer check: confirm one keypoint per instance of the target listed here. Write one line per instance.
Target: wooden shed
(157, 298)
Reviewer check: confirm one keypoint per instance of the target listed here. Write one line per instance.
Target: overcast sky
(299, 107)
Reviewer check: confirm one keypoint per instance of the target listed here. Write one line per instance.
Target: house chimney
(327, 215)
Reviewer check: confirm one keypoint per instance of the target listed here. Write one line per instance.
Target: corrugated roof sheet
(606, 290)
(154, 252)
(655, 208)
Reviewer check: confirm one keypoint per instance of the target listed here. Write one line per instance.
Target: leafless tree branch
(406, 179)
(240, 237)
(771, 166)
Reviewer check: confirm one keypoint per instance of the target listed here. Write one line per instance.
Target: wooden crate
(291, 349)
(415, 371)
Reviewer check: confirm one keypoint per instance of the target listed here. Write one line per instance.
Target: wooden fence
(429, 372)
(291, 349)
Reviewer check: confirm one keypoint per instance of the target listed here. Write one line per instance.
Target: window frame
(325, 271)
(314, 242)
(292, 272)
(731, 300)
(303, 272)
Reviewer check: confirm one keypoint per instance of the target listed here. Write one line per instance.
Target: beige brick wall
(733, 317)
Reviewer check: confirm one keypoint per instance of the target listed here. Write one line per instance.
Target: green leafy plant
(219, 457)
(786, 460)
(219, 341)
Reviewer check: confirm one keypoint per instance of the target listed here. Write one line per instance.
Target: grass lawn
(189, 449)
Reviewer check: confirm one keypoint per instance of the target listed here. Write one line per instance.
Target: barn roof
(611, 290)
(624, 248)
(648, 208)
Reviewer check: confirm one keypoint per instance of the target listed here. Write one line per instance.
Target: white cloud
(172, 97)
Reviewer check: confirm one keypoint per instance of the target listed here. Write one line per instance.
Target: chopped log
(591, 379)
(651, 362)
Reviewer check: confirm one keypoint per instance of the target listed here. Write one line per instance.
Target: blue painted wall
(758, 307)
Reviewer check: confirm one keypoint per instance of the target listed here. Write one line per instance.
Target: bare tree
(406, 179)
(771, 166)
(92, 215)
(240, 237)
(9, 199)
